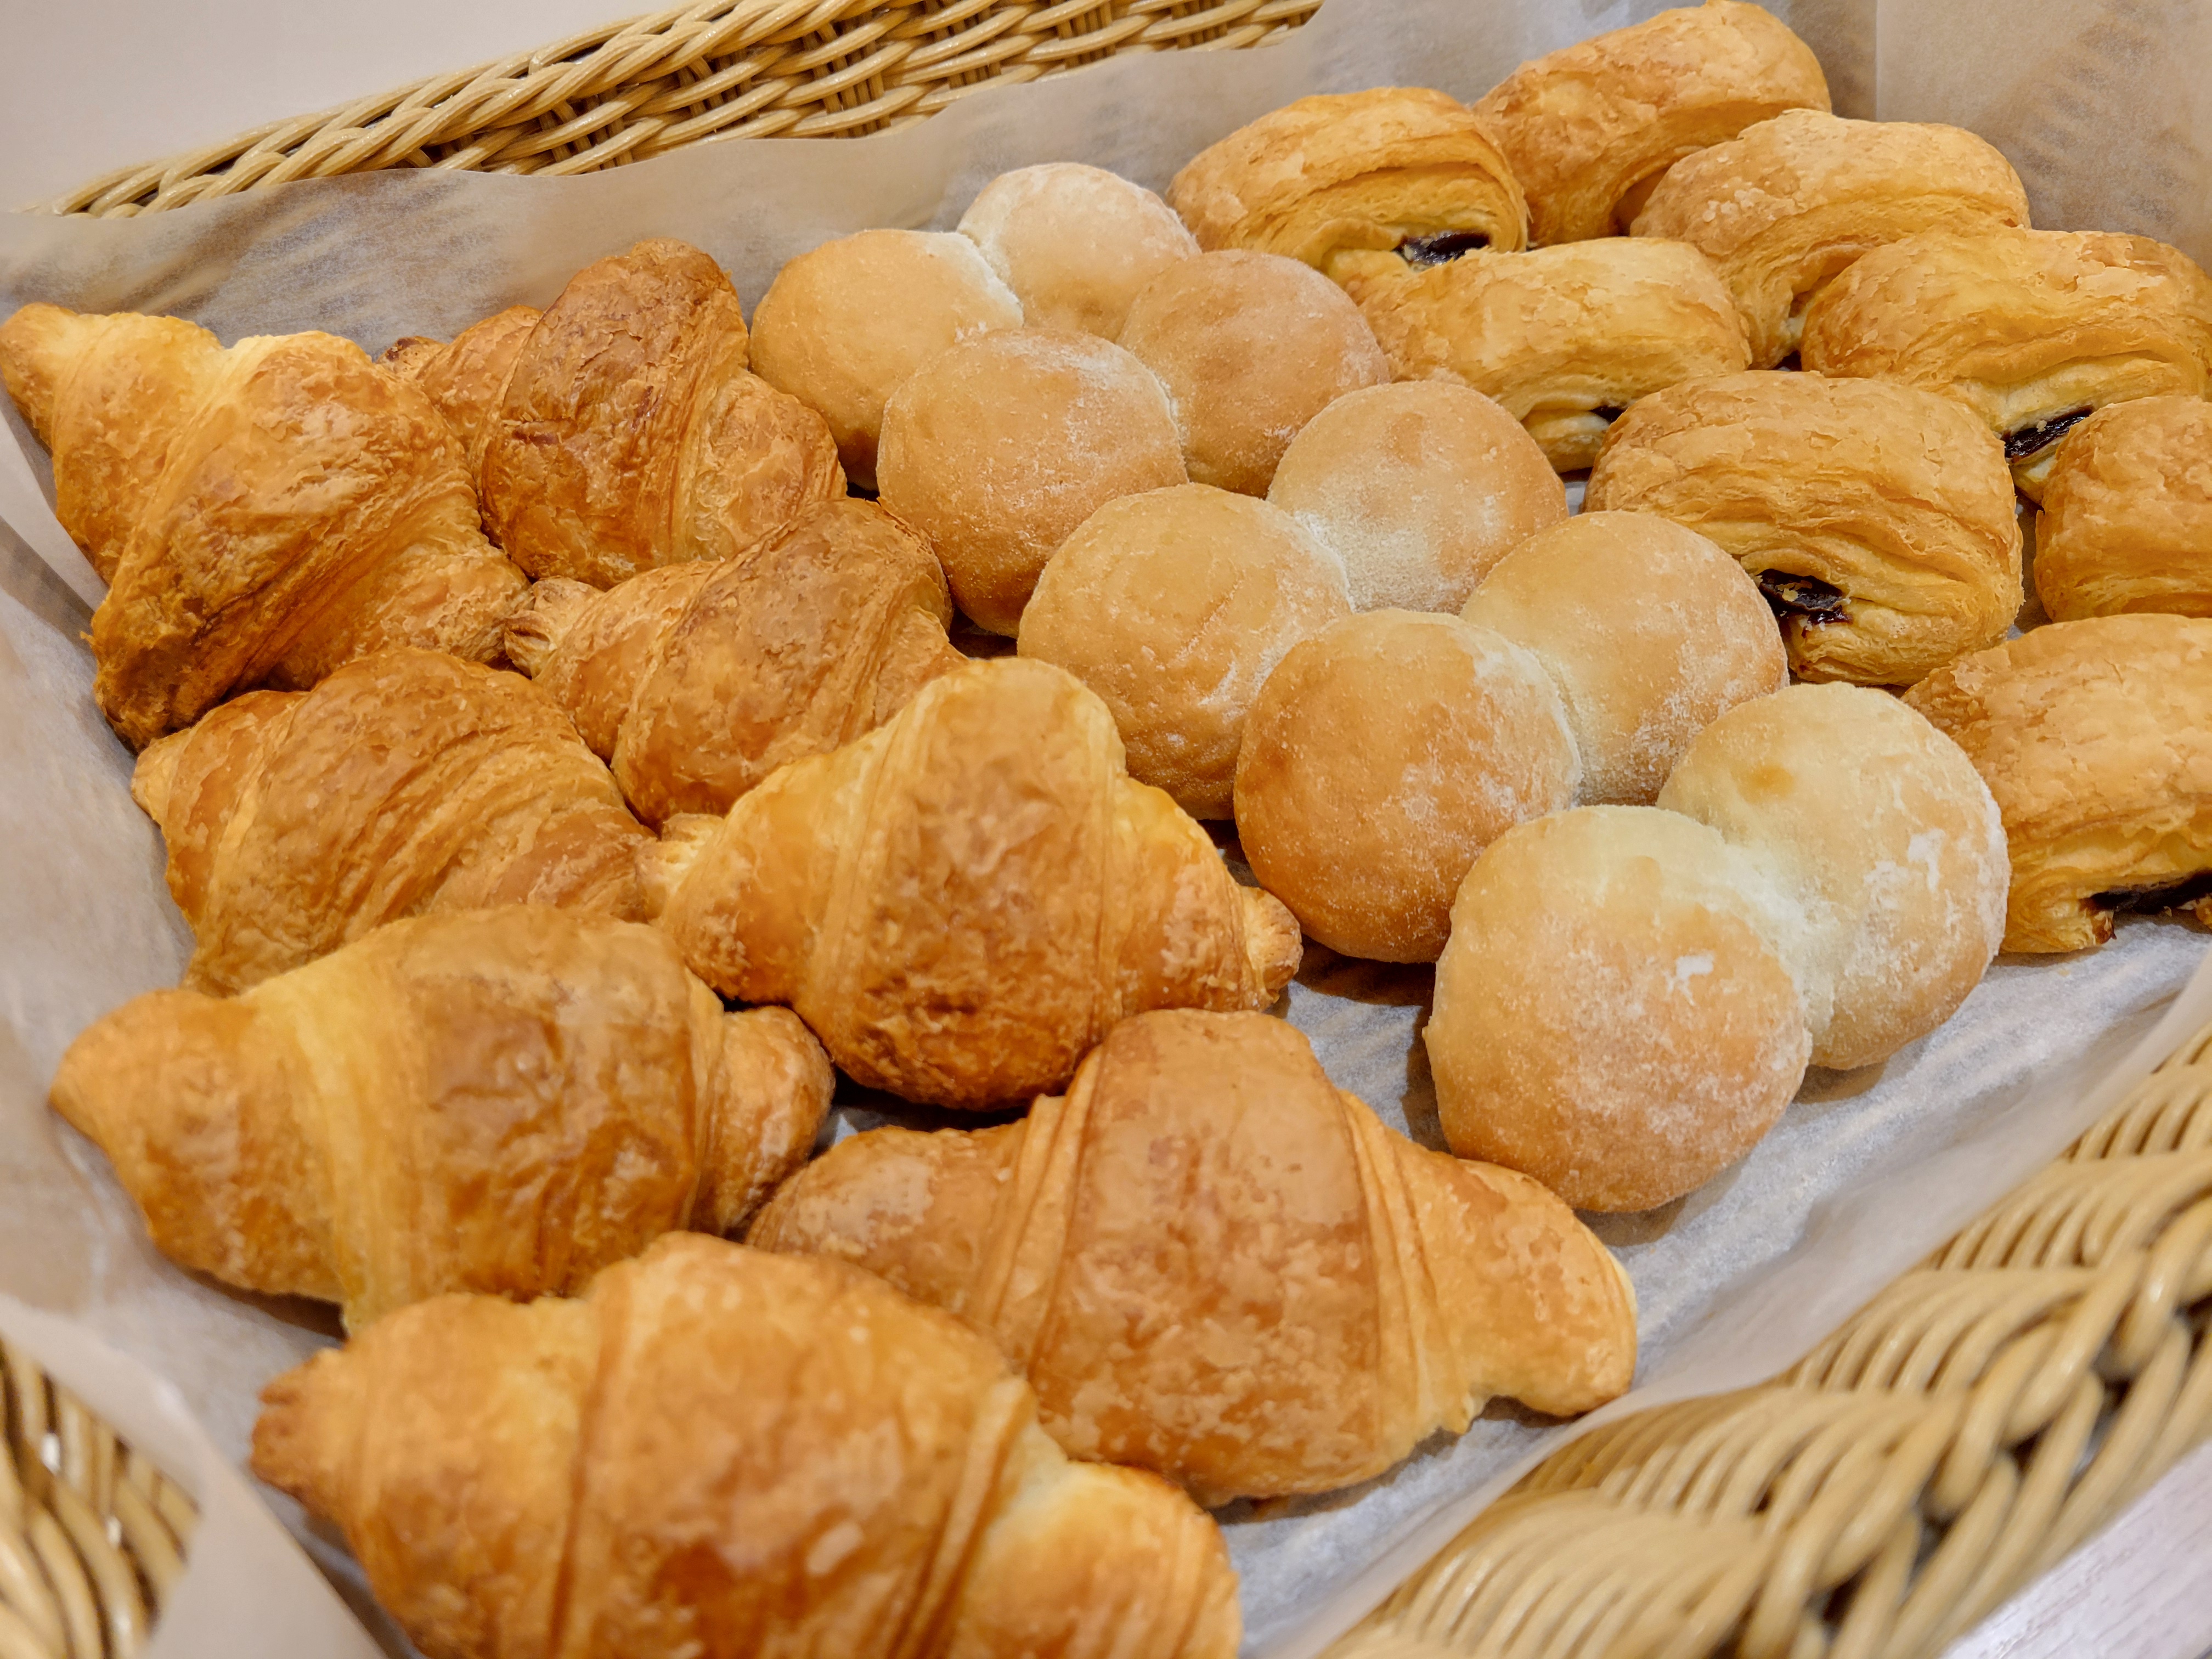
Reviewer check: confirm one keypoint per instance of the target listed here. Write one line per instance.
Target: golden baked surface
(405, 782)
(1879, 516)
(2029, 329)
(503, 1100)
(721, 1450)
(1786, 203)
(2127, 513)
(1589, 129)
(1399, 170)
(261, 514)
(1565, 338)
(960, 903)
(2096, 738)
(1340, 1295)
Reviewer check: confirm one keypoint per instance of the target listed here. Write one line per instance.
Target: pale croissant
(962, 901)
(721, 1453)
(260, 514)
(502, 1100)
(1211, 1262)
(621, 429)
(696, 681)
(405, 782)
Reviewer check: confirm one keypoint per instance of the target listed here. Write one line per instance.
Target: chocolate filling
(1807, 597)
(1608, 414)
(2149, 901)
(1422, 252)
(2020, 444)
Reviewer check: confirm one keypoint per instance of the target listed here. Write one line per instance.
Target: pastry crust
(719, 1450)
(2127, 513)
(1877, 826)
(962, 901)
(1650, 631)
(2029, 329)
(407, 782)
(1589, 129)
(2096, 738)
(1342, 1295)
(1880, 515)
(1611, 1016)
(1565, 338)
(1075, 244)
(695, 682)
(1402, 170)
(1419, 488)
(1173, 606)
(503, 1100)
(1381, 756)
(1786, 204)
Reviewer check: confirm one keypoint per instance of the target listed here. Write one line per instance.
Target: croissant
(961, 903)
(1340, 1295)
(697, 680)
(502, 1100)
(261, 514)
(721, 1452)
(622, 429)
(405, 782)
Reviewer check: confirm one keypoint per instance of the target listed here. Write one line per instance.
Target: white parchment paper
(2104, 107)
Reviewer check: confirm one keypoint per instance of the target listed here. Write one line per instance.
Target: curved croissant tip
(1272, 942)
(30, 345)
(663, 864)
(532, 632)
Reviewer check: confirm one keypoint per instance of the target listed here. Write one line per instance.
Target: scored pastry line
(1002, 1414)
(1018, 1277)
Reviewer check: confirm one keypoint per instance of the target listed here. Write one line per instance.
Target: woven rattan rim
(92, 1536)
(724, 69)
(1974, 1423)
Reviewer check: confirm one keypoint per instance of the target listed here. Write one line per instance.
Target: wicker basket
(92, 1536)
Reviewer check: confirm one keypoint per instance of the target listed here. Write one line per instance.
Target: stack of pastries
(577, 744)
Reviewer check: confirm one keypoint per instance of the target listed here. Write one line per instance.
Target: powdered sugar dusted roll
(1076, 244)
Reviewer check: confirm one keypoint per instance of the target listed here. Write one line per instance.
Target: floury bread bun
(1650, 631)
(1002, 446)
(1419, 487)
(1612, 1014)
(841, 326)
(1880, 830)
(1250, 347)
(1175, 606)
(1076, 244)
(1382, 756)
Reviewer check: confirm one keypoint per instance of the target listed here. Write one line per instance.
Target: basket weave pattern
(725, 68)
(92, 1536)
(1970, 1426)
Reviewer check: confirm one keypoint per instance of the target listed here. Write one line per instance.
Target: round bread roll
(1076, 244)
(1419, 487)
(1650, 631)
(2127, 513)
(1175, 606)
(1610, 1016)
(1381, 756)
(1003, 445)
(842, 327)
(1880, 828)
(1250, 346)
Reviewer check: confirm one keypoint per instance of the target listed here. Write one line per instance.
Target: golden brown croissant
(697, 680)
(1339, 1296)
(261, 514)
(1877, 518)
(405, 782)
(2033, 329)
(1404, 172)
(2127, 513)
(2096, 738)
(961, 903)
(622, 429)
(1591, 128)
(1565, 338)
(721, 1452)
(1786, 203)
(502, 1100)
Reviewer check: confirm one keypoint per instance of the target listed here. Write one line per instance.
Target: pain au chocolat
(2127, 513)
(2033, 329)
(1878, 517)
